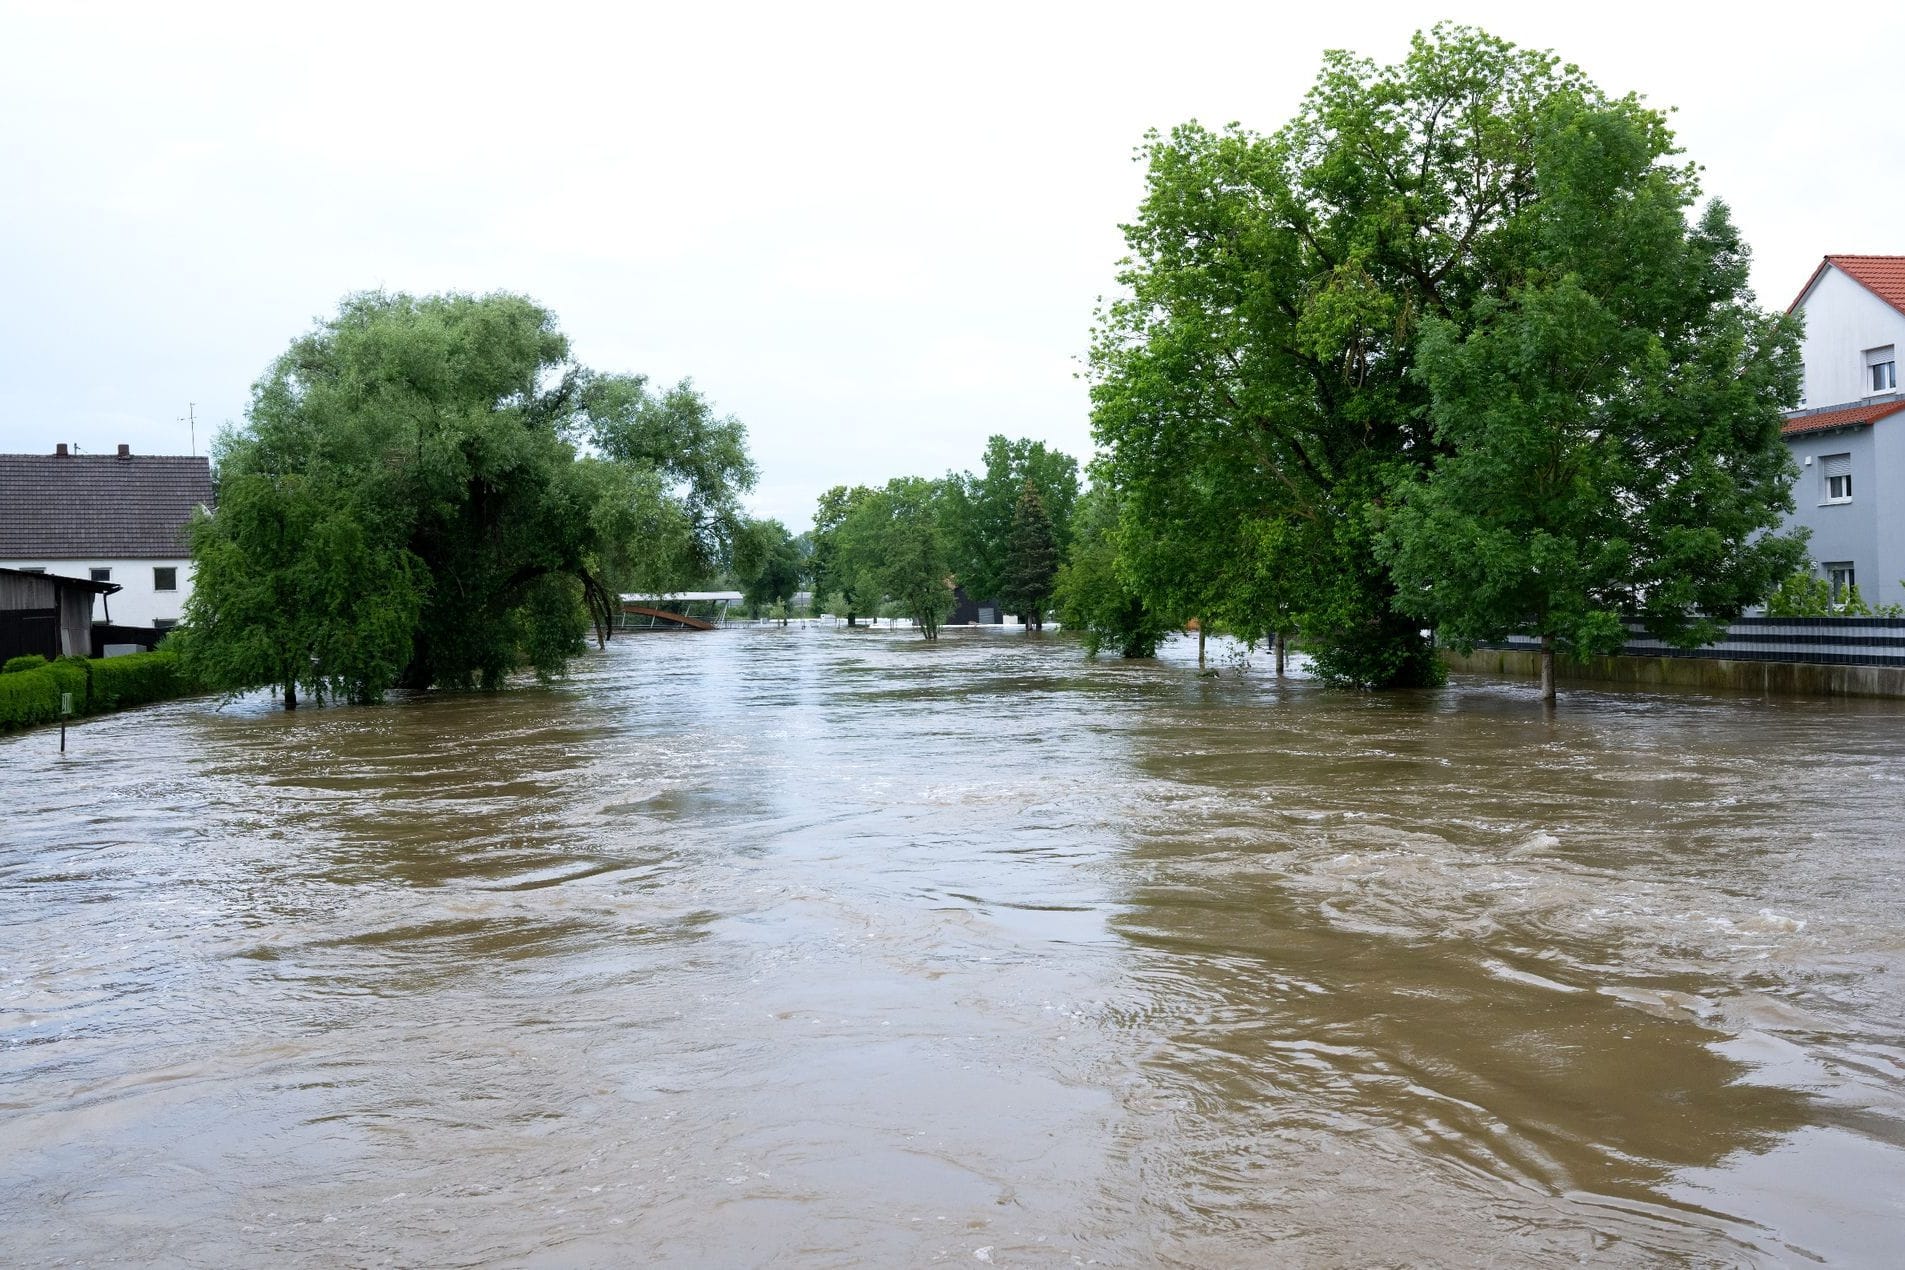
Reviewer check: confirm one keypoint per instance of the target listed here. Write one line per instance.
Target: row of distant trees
(1000, 534)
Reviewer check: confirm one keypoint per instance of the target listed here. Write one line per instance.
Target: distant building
(119, 518)
(1848, 437)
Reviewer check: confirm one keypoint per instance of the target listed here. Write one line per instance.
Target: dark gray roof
(99, 506)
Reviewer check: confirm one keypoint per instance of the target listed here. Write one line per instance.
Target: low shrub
(31, 661)
(135, 680)
(28, 697)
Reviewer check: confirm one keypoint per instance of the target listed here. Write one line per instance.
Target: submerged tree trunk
(1200, 643)
(1278, 644)
(290, 694)
(1547, 669)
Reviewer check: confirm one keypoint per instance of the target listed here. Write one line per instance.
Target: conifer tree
(1031, 563)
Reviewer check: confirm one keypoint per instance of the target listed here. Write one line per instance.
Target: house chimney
(125, 451)
(59, 451)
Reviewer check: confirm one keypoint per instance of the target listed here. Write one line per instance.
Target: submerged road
(808, 947)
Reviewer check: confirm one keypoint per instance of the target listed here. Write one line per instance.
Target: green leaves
(889, 544)
(770, 567)
(1443, 347)
(1032, 559)
(977, 510)
(411, 502)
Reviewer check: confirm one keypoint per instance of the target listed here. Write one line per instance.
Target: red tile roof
(1883, 276)
(1845, 418)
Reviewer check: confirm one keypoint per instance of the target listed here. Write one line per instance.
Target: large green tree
(1031, 561)
(429, 491)
(834, 577)
(892, 544)
(1609, 426)
(1260, 369)
(770, 570)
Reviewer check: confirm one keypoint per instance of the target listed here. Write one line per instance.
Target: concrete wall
(1843, 319)
(138, 602)
(1777, 678)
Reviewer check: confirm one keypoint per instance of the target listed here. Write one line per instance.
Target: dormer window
(1881, 364)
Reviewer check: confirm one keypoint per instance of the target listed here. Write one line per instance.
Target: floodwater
(812, 948)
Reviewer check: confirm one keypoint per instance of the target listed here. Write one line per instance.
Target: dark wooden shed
(46, 614)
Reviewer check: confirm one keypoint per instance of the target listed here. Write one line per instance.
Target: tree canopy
(1094, 599)
(430, 491)
(771, 566)
(890, 545)
(1317, 321)
(978, 508)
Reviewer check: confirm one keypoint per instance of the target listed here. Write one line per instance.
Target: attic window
(1882, 365)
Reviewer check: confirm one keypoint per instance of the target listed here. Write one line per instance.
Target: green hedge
(32, 661)
(32, 696)
(28, 697)
(135, 680)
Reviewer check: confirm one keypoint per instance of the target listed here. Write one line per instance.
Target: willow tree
(429, 491)
(1609, 425)
(1273, 300)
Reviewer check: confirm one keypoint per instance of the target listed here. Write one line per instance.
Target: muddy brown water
(808, 948)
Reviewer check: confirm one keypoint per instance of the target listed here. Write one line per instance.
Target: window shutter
(1878, 356)
(1837, 465)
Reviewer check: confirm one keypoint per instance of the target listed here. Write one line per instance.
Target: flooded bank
(814, 947)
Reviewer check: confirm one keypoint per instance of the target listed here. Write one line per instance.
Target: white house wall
(1843, 319)
(137, 602)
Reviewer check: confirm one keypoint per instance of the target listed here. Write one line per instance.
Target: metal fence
(1832, 641)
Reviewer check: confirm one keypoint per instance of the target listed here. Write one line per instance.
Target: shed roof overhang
(61, 580)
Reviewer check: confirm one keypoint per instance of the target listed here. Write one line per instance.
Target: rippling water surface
(810, 947)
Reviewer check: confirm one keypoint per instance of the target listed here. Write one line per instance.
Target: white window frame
(1841, 577)
(1881, 370)
(174, 569)
(1827, 478)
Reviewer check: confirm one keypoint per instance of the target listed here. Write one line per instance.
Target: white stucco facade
(140, 600)
(1844, 321)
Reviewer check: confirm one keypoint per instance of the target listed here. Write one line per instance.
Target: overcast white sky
(874, 233)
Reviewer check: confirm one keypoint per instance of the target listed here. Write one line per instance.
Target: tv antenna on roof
(191, 421)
